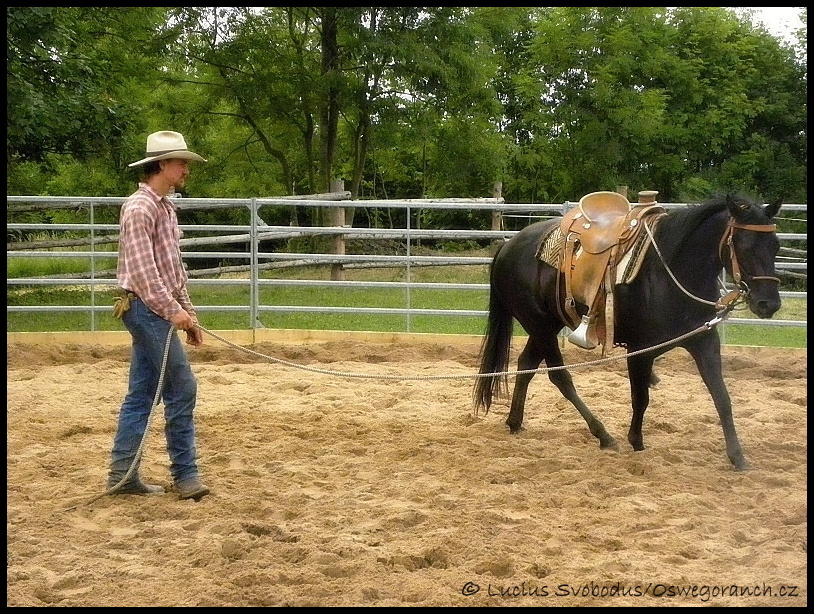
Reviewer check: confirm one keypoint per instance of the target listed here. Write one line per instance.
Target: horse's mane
(680, 223)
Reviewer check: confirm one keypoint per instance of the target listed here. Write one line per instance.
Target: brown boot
(135, 487)
(191, 488)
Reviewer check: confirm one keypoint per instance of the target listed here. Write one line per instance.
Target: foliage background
(409, 102)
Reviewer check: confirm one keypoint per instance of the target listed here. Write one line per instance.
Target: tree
(649, 98)
(69, 80)
(409, 101)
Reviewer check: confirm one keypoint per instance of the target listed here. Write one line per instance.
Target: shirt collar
(164, 200)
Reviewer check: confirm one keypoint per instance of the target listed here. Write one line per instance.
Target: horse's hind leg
(529, 359)
(561, 378)
(640, 373)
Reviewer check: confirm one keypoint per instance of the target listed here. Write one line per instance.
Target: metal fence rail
(254, 261)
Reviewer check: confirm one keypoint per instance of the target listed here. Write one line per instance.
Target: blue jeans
(149, 332)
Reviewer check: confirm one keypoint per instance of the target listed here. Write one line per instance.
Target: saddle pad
(552, 247)
(629, 266)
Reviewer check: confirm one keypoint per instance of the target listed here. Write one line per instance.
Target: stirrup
(580, 336)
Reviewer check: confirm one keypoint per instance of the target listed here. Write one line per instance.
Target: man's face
(176, 171)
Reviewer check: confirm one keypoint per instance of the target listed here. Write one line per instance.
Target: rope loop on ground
(112, 489)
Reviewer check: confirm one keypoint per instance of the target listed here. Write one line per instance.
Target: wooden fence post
(338, 241)
(497, 216)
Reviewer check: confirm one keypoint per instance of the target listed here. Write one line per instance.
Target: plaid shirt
(149, 262)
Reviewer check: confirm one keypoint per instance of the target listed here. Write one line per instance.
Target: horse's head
(748, 249)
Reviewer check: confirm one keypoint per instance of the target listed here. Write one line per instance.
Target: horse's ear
(772, 208)
(736, 204)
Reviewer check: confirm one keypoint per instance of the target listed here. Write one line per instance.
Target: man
(155, 299)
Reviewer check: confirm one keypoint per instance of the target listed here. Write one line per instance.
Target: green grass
(210, 296)
(764, 336)
(28, 266)
(214, 296)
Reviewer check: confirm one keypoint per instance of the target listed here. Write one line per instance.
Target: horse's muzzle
(762, 295)
(764, 309)
(762, 306)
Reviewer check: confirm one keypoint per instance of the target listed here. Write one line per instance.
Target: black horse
(674, 294)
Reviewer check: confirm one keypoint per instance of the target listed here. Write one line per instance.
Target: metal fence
(506, 221)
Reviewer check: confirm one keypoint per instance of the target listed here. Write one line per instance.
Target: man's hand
(183, 321)
(194, 336)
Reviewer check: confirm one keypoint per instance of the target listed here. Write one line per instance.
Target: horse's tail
(494, 351)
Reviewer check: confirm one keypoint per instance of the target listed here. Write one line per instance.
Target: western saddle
(599, 234)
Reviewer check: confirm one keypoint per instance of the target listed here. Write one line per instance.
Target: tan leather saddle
(598, 233)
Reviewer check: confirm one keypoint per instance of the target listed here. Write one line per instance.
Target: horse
(676, 292)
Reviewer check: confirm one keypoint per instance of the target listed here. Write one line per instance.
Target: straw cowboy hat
(165, 145)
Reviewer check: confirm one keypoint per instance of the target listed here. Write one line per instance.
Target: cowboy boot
(191, 488)
(134, 485)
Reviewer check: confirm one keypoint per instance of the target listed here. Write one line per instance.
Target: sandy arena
(330, 490)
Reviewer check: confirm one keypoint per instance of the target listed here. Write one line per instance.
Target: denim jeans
(149, 332)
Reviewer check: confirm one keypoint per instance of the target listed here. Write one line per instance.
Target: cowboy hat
(165, 145)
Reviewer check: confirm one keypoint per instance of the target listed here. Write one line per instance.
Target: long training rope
(724, 307)
(706, 326)
(113, 489)
(139, 452)
(723, 313)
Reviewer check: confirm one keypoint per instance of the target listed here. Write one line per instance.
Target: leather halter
(726, 239)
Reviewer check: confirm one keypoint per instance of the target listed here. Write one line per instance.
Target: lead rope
(673, 277)
(140, 450)
(706, 326)
(724, 307)
(703, 327)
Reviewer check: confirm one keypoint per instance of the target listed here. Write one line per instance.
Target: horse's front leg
(706, 351)
(640, 374)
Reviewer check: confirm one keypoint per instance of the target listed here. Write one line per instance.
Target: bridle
(728, 301)
(727, 239)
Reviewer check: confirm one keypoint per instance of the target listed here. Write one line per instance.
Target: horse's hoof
(609, 445)
(739, 462)
(514, 430)
(636, 444)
